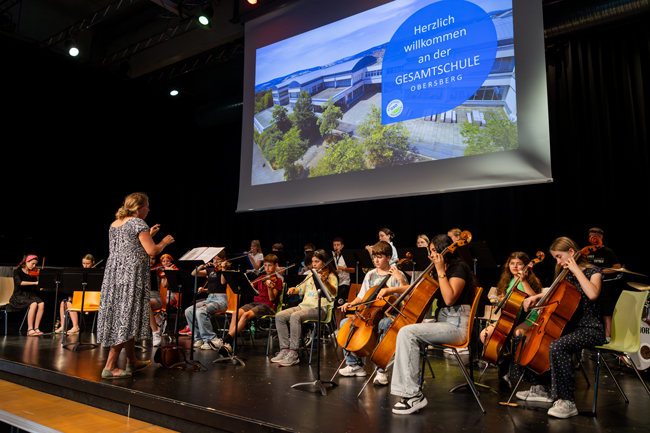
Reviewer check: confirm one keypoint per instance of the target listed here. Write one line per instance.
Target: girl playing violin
(204, 336)
(516, 268)
(455, 295)
(289, 321)
(397, 283)
(24, 296)
(583, 330)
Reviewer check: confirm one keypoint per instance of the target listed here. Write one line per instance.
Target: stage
(258, 397)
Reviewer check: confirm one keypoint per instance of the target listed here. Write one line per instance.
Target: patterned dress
(124, 302)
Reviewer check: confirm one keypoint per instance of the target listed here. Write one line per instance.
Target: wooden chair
(463, 345)
(6, 290)
(230, 312)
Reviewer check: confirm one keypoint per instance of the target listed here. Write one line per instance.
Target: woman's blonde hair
(564, 244)
(132, 204)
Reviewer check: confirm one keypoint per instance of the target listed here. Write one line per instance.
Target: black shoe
(225, 350)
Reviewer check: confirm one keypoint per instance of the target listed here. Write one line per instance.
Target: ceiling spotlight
(253, 2)
(206, 14)
(173, 92)
(71, 46)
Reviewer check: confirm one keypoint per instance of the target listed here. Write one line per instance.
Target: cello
(359, 334)
(417, 300)
(511, 306)
(555, 308)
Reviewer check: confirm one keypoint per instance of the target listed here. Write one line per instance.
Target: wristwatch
(442, 276)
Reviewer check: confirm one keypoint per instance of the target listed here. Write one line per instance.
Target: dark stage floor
(259, 397)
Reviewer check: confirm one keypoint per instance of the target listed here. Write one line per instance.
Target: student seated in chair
(289, 321)
(455, 296)
(217, 301)
(263, 304)
(24, 296)
(396, 284)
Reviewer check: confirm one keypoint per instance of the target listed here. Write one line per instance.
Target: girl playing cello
(455, 295)
(516, 268)
(583, 330)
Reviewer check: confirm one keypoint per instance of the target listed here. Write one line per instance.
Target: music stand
(476, 255)
(322, 292)
(71, 277)
(50, 279)
(186, 265)
(240, 285)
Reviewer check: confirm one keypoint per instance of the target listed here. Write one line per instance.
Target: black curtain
(60, 202)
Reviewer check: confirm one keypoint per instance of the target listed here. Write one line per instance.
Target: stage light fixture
(173, 92)
(206, 14)
(71, 46)
(253, 2)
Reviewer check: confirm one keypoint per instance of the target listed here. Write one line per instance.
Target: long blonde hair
(564, 244)
(132, 204)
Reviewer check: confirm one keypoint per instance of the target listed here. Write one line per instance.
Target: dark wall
(85, 140)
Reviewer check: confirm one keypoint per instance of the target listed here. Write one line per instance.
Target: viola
(359, 334)
(511, 305)
(417, 300)
(556, 308)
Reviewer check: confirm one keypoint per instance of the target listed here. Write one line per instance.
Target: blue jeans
(350, 359)
(214, 303)
(451, 328)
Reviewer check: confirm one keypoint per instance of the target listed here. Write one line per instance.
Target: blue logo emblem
(436, 60)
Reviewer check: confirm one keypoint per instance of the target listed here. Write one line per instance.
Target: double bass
(417, 300)
(510, 314)
(359, 334)
(555, 308)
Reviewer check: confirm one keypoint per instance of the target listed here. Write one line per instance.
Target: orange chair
(91, 304)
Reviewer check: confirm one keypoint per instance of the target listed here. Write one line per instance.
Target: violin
(273, 277)
(36, 272)
(359, 334)
(417, 300)
(511, 305)
(555, 308)
(218, 267)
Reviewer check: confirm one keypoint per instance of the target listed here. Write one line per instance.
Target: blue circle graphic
(436, 60)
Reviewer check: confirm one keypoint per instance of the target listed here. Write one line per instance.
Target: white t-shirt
(344, 277)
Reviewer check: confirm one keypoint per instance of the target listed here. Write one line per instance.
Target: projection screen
(361, 100)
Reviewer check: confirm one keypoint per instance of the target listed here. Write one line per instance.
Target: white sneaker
(280, 356)
(290, 359)
(353, 370)
(410, 404)
(157, 338)
(563, 409)
(381, 378)
(216, 343)
(464, 351)
(206, 346)
(536, 393)
(198, 343)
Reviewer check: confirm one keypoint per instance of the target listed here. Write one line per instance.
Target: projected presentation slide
(408, 82)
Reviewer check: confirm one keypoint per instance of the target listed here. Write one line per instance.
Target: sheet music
(202, 253)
